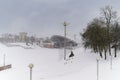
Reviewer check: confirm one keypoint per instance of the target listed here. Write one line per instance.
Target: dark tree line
(103, 33)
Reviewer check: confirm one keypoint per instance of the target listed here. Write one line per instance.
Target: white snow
(49, 64)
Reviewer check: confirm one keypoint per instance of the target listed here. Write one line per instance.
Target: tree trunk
(109, 50)
(108, 35)
(115, 51)
(101, 54)
(105, 55)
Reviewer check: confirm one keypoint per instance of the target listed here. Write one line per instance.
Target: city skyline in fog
(45, 17)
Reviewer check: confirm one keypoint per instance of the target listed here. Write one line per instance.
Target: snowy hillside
(49, 64)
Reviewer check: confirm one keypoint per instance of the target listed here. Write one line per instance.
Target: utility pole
(75, 37)
(65, 24)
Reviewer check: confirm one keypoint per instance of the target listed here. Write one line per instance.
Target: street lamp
(4, 60)
(31, 66)
(111, 61)
(97, 68)
(65, 24)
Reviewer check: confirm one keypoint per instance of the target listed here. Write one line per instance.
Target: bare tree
(109, 16)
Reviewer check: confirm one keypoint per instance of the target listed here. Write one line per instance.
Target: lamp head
(31, 66)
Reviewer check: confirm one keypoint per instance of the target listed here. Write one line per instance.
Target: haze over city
(45, 17)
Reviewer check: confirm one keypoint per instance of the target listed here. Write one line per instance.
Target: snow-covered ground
(49, 64)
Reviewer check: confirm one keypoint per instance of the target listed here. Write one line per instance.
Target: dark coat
(71, 55)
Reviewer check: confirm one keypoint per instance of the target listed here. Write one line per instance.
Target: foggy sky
(45, 17)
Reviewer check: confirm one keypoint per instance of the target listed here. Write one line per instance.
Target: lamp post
(97, 68)
(65, 24)
(31, 66)
(4, 60)
(111, 61)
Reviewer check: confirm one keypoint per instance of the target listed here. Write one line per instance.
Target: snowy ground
(49, 64)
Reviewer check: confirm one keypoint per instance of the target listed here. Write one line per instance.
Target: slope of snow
(49, 64)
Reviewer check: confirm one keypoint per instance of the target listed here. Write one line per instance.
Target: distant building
(59, 42)
(7, 38)
(16, 38)
(47, 43)
(39, 41)
(22, 36)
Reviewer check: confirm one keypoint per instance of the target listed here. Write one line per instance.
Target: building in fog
(7, 38)
(22, 36)
(59, 42)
